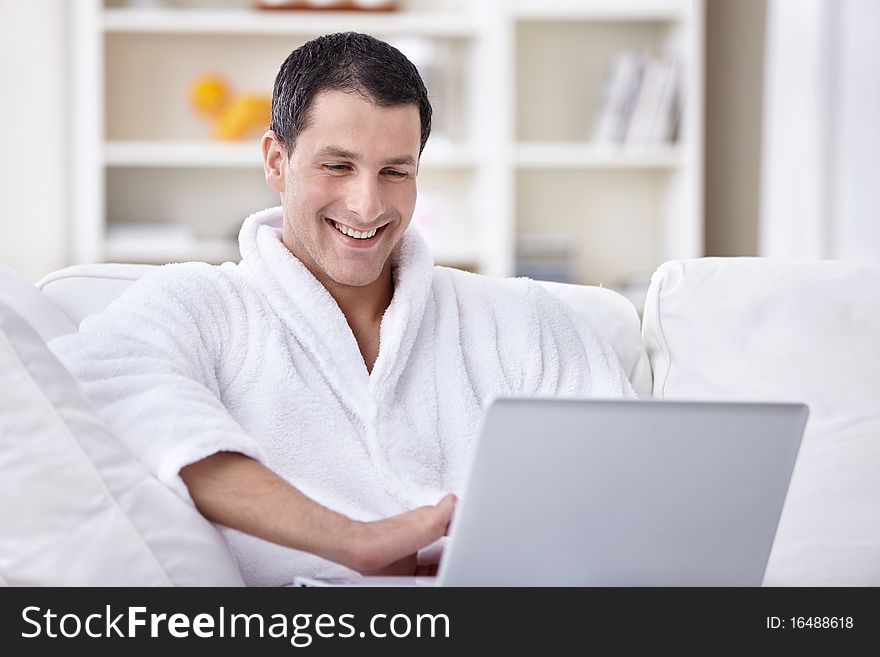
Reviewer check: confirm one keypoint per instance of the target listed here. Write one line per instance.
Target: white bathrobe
(257, 358)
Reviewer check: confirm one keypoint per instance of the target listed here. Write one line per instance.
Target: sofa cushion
(86, 512)
(757, 329)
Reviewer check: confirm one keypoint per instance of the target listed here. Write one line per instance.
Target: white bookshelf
(515, 91)
(182, 154)
(623, 209)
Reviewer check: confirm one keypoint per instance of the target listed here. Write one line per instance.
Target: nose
(365, 198)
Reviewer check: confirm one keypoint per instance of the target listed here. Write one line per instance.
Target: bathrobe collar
(316, 320)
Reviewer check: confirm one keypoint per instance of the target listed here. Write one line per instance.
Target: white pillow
(756, 329)
(27, 301)
(77, 508)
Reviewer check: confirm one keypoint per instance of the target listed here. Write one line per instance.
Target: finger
(447, 506)
(449, 501)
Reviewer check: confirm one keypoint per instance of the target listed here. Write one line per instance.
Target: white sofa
(713, 328)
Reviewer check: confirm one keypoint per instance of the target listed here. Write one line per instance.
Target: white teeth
(354, 233)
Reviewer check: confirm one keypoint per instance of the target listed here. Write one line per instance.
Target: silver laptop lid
(623, 493)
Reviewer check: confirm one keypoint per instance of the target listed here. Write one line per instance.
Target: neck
(362, 305)
(363, 308)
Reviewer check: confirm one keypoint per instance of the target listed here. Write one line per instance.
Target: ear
(274, 161)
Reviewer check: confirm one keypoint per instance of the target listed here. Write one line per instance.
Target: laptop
(565, 492)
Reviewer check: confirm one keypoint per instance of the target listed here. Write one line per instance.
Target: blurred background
(584, 141)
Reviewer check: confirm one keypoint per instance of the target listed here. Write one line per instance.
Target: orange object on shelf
(209, 94)
(243, 116)
(234, 116)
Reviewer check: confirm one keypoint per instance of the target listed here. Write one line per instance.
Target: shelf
(440, 154)
(554, 155)
(255, 22)
(182, 154)
(198, 250)
(237, 155)
(602, 10)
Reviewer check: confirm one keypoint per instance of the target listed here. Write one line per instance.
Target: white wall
(33, 135)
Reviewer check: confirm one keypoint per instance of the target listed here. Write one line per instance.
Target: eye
(338, 168)
(394, 173)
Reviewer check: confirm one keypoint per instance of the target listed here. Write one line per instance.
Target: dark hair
(345, 61)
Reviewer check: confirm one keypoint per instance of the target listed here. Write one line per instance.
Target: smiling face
(348, 189)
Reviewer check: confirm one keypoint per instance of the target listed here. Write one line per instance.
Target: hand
(390, 546)
(427, 570)
(276, 511)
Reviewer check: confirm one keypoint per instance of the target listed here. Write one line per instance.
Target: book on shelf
(665, 124)
(618, 95)
(547, 257)
(639, 101)
(646, 108)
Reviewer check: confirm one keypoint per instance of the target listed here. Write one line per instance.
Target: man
(319, 399)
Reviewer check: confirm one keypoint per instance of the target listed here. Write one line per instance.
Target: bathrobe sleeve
(571, 360)
(152, 365)
(518, 339)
